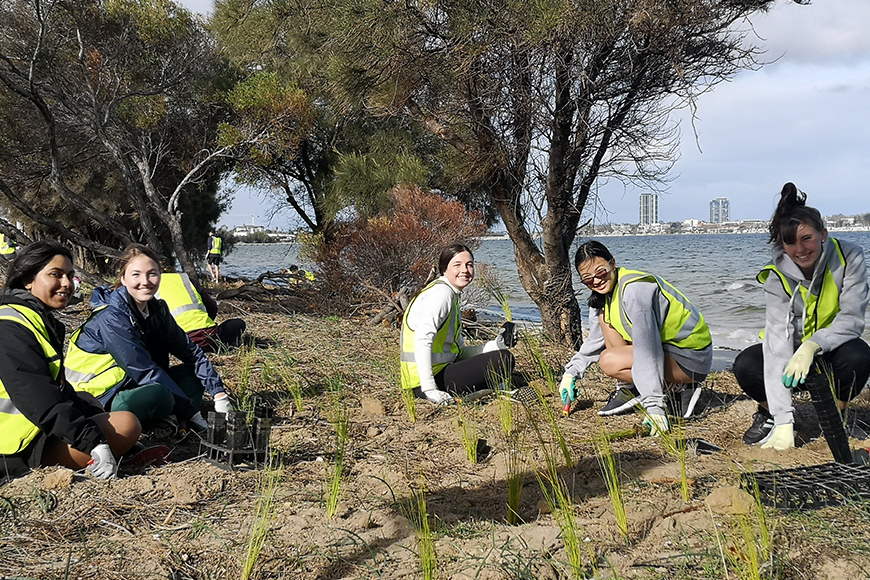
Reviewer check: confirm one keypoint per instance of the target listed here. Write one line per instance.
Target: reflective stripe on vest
(445, 348)
(684, 325)
(184, 302)
(94, 373)
(215, 245)
(16, 430)
(820, 307)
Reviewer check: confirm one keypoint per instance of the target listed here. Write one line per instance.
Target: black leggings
(483, 371)
(850, 363)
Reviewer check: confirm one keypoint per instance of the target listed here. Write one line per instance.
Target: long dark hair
(588, 251)
(31, 260)
(130, 252)
(792, 211)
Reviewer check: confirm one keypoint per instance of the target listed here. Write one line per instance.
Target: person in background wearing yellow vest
(434, 360)
(194, 311)
(121, 353)
(816, 296)
(644, 333)
(43, 421)
(7, 246)
(214, 256)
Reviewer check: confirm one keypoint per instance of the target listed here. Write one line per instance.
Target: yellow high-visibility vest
(445, 348)
(94, 373)
(821, 307)
(684, 325)
(16, 430)
(184, 302)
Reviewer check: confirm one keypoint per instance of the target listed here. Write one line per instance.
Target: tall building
(720, 210)
(649, 209)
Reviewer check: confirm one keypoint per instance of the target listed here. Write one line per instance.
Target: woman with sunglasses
(816, 296)
(644, 333)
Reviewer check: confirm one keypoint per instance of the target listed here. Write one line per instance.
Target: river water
(715, 271)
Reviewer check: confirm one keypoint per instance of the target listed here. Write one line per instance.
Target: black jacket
(52, 405)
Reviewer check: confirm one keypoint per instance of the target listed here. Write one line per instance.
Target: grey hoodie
(783, 328)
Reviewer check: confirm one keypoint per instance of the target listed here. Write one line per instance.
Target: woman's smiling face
(460, 270)
(53, 285)
(141, 278)
(598, 274)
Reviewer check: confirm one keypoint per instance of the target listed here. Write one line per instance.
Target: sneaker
(622, 400)
(682, 400)
(762, 425)
(856, 428)
(166, 428)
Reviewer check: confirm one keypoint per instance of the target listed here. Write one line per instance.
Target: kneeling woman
(121, 354)
(642, 331)
(815, 296)
(43, 421)
(435, 362)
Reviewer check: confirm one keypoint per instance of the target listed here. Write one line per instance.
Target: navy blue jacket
(141, 346)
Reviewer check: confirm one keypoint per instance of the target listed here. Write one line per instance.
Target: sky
(804, 118)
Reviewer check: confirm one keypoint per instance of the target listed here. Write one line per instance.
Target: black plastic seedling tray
(812, 487)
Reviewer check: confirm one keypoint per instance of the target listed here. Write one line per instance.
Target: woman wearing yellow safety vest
(435, 362)
(644, 333)
(815, 295)
(121, 353)
(43, 421)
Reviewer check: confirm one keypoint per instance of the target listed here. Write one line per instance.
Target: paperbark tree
(137, 86)
(544, 100)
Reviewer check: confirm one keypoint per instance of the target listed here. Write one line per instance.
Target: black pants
(850, 364)
(484, 371)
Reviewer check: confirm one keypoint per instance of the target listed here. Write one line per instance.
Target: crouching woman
(121, 353)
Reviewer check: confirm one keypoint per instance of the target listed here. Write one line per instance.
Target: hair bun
(791, 196)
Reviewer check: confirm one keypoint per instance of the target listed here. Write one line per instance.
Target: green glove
(798, 366)
(567, 389)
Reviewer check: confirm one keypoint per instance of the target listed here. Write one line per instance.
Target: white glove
(103, 464)
(438, 397)
(222, 403)
(798, 366)
(567, 389)
(658, 424)
(781, 438)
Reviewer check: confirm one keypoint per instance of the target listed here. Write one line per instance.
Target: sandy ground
(196, 519)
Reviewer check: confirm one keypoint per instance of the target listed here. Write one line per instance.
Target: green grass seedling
(674, 444)
(283, 364)
(468, 431)
(264, 512)
(558, 497)
(341, 425)
(610, 473)
(417, 513)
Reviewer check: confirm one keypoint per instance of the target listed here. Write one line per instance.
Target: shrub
(371, 259)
